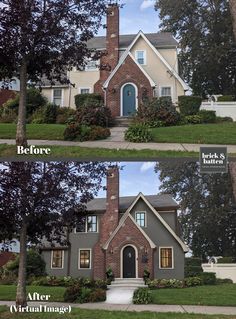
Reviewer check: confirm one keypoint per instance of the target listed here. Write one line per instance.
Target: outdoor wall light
(111, 251)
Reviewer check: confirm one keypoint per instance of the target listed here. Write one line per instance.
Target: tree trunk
(21, 299)
(21, 125)
(69, 251)
(232, 4)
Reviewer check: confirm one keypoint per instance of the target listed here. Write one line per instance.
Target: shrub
(220, 119)
(72, 132)
(100, 116)
(38, 116)
(90, 99)
(207, 116)
(76, 132)
(193, 119)
(220, 281)
(189, 105)
(165, 283)
(72, 293)
(142, 296)
(227, 260)
(98, 133)
(64, 115)
(97, 295)
(193, 281)
(193, 267)
(158, 112)
(226, 98)
(138, 133)
(208, 278)
(50, 113)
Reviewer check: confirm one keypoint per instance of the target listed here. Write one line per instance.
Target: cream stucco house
(139, 65)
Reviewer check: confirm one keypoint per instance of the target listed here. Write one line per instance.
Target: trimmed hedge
(189, 105)
(193, 267)
(227, 260)
(226, 98)
(207, 116)
(88, 99)
(208, 278)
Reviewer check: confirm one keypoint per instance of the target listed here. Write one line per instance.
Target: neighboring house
(128, 234)
(136, 66)
(5, 257)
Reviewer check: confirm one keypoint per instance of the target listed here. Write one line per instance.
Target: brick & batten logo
(213, 160)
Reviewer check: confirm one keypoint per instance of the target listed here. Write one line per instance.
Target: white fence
(222, 270)
(221, 108)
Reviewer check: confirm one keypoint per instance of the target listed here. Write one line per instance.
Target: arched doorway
(129, 262)
(128, 99)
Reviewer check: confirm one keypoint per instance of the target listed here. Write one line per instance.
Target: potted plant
(109, 274)
(146, 275)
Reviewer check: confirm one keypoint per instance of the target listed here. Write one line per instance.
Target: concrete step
(123, 121)
(127, 283)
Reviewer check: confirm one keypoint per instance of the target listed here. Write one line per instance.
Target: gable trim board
(127, 52)
(127, 214)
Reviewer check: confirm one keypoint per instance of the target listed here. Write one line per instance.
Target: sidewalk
(210, 310)
(116, 141)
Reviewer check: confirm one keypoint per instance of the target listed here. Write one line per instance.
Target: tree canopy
(207, 45)
(208, 210)
(43, 199)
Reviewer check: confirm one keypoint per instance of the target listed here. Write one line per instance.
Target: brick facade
(108, 222)
(129, 234)
(111, 57)
(128, 72)
(232, 171)
(5, 95)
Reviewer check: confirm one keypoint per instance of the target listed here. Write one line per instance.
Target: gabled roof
(163, 222)
(159, 40)
(163, 60)
(159, 202)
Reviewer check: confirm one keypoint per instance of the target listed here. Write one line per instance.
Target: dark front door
(129, 262)
(129, 100)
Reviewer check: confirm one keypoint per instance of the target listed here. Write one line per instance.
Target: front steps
(121, 290)
(123, 121)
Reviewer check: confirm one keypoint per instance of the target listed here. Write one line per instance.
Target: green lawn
(102, 314)
(8, 292)
(224, 133)
(7, 151)
(218, 295)
(34, 131)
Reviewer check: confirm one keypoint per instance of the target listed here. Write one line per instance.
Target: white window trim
(90, 259)
(62, 96)
(63, 255)
(145, 217)
(91, 70)
(144, 56)
(136, 260)
(167, 86)
(86, 227)
(172, 250)
(85, 88)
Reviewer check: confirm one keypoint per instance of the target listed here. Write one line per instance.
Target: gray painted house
(128, 234)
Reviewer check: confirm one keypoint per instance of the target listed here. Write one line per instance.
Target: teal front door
(129, 100)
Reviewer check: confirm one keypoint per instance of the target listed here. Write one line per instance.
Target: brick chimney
(108, 222)
(111, 59)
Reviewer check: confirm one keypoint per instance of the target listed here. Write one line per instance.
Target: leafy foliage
(207, 116)
(76, 132)
(208, 278)
(142, 296)
(90, 115)
(226, 98)
(206, 202)
(88, 99)
(193, 267)
(189, 105)
(158, 112)
(208, 48)
(138, 133)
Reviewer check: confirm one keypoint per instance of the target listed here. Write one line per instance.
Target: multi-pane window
(166, 91)
(84, 259)
(88, 224)
(91, 65)
(84, 91)
(57, 258)
(57, 97)
(140, 57)
(140, 219)
(166, 258)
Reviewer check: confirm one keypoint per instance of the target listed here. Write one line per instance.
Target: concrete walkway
(210, 310)
(116, 141)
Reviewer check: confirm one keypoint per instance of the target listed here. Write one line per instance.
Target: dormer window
(141, 57)
(140, 218)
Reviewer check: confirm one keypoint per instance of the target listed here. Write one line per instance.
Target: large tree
(232, 4)
(44, 38)
(39, 200)
(208, 211)
(207, 46)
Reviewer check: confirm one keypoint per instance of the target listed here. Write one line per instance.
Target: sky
(137, 15)
(136, 177)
